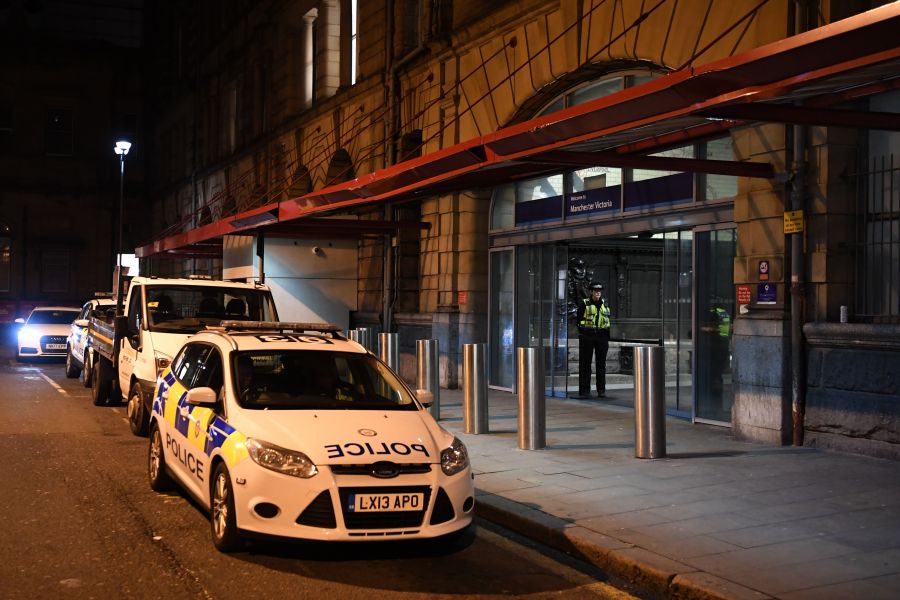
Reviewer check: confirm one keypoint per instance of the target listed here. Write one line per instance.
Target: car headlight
(280, 459)
(455, 458)
(29, 337)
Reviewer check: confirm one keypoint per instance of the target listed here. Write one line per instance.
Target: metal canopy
(794, 80)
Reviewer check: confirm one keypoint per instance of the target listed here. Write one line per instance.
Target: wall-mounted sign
(793, 221)
(743, 294)
(766, 293)
(462, 297)
(763, 270)
(588, 202)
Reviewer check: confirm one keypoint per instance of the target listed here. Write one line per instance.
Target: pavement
(716, 518)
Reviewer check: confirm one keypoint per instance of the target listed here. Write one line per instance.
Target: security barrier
(389, 350)
(427, 373)
(532, 408)
(649, 402)
(475, 398)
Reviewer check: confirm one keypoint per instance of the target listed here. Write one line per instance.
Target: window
(209, 374)
(134, 311)
(5, 259)
(606, 191)
(878, 218)
(189, 363)
(59, 132)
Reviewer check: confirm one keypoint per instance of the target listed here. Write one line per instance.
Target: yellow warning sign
(793, 221)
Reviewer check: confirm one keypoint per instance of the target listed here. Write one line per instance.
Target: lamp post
(121, 148)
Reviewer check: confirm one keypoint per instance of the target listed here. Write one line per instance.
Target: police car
(78, 358)
(290, 430)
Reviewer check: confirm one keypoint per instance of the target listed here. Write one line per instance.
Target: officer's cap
(596, 286)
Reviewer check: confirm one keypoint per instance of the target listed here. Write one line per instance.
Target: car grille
(319, 513)
(384, 520)
(402, 469)
(443, 508)
(53, 339)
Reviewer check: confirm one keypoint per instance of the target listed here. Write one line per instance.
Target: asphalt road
(78, 520)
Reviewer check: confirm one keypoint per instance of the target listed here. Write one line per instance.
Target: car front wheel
(223, 524)
(86, 368)
(72, 369)
(156, 463)
(137, 415)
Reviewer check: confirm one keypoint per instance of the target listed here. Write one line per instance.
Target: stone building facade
(259, 103)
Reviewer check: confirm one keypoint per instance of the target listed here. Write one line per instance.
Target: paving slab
(716, 518)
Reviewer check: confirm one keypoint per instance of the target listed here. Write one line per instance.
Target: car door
(183, 458)
(130, 343)
(79, 334)
(198, 436)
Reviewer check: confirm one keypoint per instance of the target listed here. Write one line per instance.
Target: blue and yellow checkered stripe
(203, 429)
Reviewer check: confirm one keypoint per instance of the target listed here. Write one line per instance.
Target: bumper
(272, 504)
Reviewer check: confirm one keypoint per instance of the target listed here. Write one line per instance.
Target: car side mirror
(81, 322)
(202, 396)
(426, 397)
(20, 321)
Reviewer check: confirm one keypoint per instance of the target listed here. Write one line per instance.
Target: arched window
(340, 169)
(543, 199)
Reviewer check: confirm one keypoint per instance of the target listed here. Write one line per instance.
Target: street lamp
(121, 148)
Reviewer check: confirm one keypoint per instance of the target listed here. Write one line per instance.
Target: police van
(291, 430)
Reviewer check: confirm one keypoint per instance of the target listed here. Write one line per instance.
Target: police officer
(593, 339)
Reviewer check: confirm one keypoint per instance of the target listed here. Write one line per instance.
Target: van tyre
(223, 524)
(156, 463)
(101, 382)
(72, 370)
(138, 419)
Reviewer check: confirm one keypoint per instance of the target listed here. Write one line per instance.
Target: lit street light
(121, 148)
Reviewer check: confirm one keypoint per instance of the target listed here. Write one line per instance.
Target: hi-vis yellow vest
(594, 318)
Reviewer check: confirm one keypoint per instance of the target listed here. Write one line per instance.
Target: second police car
(78, 354)
(290, 430)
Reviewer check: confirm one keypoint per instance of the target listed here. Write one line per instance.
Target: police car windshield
(188, 309)
(52, 317)
(315, 379)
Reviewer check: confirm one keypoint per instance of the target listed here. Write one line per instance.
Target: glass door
(677, 292)
(713, 315)
(501, 320)
(541, 280)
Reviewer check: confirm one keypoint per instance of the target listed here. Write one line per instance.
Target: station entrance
(673, 289)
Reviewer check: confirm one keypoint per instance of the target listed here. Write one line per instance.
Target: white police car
(78, 358)
(290, 430)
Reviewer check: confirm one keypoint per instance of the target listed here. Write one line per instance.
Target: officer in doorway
(593, 339)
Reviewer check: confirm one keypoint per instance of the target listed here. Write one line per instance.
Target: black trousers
(588, 345)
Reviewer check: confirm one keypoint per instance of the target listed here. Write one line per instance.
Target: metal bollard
(649, 402)
(475, 398)
(389, 350)
(427, 374)
(366, 335)
(532, 409)
(353, 334)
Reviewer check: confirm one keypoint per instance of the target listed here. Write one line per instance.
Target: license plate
(385, 502)
(55, 346)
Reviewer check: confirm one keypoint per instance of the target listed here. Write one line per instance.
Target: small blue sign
(766, 293)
